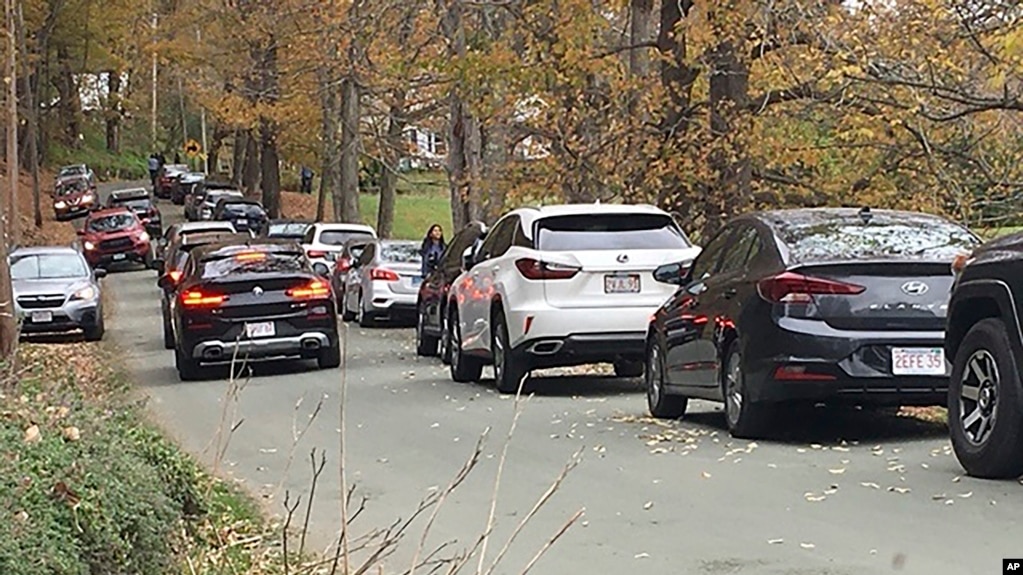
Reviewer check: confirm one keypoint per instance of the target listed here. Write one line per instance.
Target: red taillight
(536, 270)
(383, 275)
(196, 298)
(800, 373)
(795, 288)
(315, 289)
(175, 275)
(343, 265)
(316, 254)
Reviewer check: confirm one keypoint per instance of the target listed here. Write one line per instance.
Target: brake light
(344, 265)
(250, 257)
(315, 289)
(175, 275)
(795, 288)
(383, 275)
(536, 270)
(196, 298)
(316, 254)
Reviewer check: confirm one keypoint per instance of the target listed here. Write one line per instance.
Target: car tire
(330, 356)
(464, 368)
(991, 446)
(628, 368)
(745, 419)
(346, 315)
(509, 369)
(188, 367)
(426, 345)
(365, 318)
(445, 338)
(659, 402)
(95, 332)
(168, 332)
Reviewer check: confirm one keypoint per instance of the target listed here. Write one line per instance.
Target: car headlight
(144, 237)
(87, 292)
(88, 245)
(60, 205)
(88, 198)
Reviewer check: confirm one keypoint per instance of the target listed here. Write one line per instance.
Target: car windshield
(588, 232)
(400, 253)
(48, 267)
(112, 223)
(288, 230)
(884, 237)
(72, 171)
(244, 210)
(255, 262)
(73, 188)
(338, 237)
(214, 197)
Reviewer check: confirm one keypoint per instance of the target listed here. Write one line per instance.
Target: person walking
(154, 168)
(307, 180)
(432, 248)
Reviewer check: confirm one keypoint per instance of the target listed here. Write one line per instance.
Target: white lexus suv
(559, 286)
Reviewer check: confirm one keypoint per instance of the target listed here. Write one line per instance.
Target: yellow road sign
(192, 148)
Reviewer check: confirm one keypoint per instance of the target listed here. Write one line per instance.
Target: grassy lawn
(991, 233)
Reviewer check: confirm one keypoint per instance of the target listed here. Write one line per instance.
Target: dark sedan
(251, 300)
(246, 215)
(431, 333)
(816, 305)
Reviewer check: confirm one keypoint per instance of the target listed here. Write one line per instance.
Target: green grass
(992, 233)
(129, 164)
(413, 213)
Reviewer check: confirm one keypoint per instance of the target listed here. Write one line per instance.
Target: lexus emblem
(623, 258)
(257, 290)
(915, 288)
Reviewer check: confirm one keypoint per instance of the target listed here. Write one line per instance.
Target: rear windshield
(112, 223)
(138, 205)
(400, 253)
(609, 232)
(253, 263)
(214, 197)
(930, 239)
(287, 230)
(251, 210)
(48, 267)
(338, 238)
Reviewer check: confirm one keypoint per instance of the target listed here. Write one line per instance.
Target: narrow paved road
(838, 493)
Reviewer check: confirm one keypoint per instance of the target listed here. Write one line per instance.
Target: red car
(73, 197)
(115, 235)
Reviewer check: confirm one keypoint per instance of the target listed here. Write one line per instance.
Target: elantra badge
(915, 288)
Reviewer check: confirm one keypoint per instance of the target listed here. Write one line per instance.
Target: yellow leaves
(33, 435)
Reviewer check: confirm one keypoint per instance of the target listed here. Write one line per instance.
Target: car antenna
(865, 215)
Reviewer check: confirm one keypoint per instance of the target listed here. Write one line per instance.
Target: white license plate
(119, 257)
(243, 222)
(621, 284)
(261, 329)
(918, 361)
(42, 316)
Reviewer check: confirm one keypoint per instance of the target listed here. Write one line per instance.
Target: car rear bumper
(840, 366)
(535, 323)
(582, 348)
(306, 344)
(383, 301)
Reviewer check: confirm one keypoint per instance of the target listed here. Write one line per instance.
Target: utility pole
(152, 119)
(9, 213)
(202, 120)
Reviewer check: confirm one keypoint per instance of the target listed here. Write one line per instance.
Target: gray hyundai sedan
(55, 291)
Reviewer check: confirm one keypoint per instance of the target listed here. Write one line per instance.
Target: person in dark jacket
(432, 248)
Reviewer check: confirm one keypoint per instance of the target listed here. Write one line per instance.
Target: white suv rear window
(609, 232)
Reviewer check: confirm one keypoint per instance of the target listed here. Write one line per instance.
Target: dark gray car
(56, 291)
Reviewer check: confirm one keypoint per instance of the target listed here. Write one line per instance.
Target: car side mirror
(674, 274)
(468, 259)
(321, 269)
(100, 273)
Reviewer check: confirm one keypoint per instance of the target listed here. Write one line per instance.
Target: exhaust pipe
(214, 353)
(310, 344)
(549, 347)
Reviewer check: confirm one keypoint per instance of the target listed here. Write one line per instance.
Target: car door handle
(730, 293)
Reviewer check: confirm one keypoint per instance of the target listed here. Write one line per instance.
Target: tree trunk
(241, 143)
(330, 111)
(251, 173)
(729, 160)
(69, 105)
(114, 111)
(394, 148)
(32, 119)
(9, 215)
(270, 181)
(350, 118)
(640, 12)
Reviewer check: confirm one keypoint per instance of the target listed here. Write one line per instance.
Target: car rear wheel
(745, 419)
(168, 330)
(188, 367)
(661, 404)
(464, 369)
(626, 368)
(365, 318)
(445, 340)
(426, 344)
(330, 356)
(509, 370)
(346, 314)
(985, 404)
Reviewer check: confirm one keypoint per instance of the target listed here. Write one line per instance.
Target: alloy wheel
(733, 389)
(498, 351)
(653, 375)
(456, 345)
(978, 397)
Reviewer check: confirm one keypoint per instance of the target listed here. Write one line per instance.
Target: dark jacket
(431, 252)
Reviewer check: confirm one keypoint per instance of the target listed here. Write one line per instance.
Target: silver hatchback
(55, 291)
(383, 283)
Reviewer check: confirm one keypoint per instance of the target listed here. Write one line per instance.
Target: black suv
(259, 300)
(985, 345)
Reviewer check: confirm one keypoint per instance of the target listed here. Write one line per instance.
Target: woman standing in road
(433, 247)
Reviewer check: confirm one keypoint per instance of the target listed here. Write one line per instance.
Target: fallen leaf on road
(800, 450)
(807, 545)
(950, 502)
(925, 466)
(939, 497)
(772, 465)
(382, 460)
(648, 505)
(274, 450)
(957, 479)
(966, 495)
(434, 426)
(871, 485)
(775, 541)
(816, 446)
(815, 499)
(837, 471)
(641, 556)
(898, 489)
(706, 475)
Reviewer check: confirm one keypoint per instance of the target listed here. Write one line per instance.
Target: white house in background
(93, 89)
(426, 149)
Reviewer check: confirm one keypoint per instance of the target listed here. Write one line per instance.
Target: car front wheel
(985, 404)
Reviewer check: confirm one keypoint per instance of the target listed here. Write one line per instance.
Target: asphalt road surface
(836, 493)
